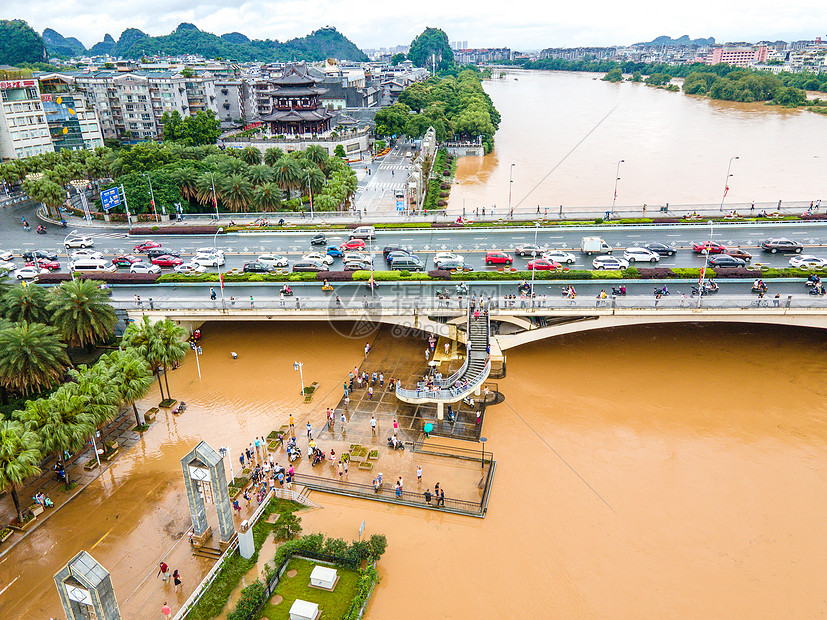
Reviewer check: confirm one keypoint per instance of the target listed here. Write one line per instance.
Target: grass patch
(141, 429)
(332, 604)
(167, 403)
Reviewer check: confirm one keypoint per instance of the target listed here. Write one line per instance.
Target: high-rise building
(23, 128)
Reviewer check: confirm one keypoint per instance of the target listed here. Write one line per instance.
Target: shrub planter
(110, 451)
(5, 534)
(28, 521)
(35, 509)
(309, 390)
(167, 403)
(366, 465)
(374, 454)
(149, 416)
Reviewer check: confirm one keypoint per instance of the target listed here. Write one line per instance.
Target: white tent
(304, 610)
(324, 577)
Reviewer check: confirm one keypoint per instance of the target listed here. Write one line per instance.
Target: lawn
(332, 604)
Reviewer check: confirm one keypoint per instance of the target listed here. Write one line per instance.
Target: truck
(594, 245)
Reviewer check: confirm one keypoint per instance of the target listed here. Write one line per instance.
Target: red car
(708, 246)
(167, 261)
(353, 244)
(498, 258)
(125, 260)
(44, 263)
(146, 245)
(541, 264)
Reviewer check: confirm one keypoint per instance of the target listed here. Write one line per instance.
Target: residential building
(736, 55)
(73, 123)
(23, 128)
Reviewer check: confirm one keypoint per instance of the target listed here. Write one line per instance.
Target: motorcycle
(41, 230)
(761, 288)
(327, 288)
(817, 290)
(293, 453)
(663, 292)
(63, 224)
(616, 291)
(287, 292)
(318, 457)
(398, 446)
(462, 289)
(707, 290)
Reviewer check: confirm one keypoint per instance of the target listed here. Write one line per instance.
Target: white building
(23, 128)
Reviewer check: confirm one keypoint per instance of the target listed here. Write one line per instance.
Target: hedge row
(110, 277)
(142, 231)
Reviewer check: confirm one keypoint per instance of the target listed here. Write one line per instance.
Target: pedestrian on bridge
(212, 294)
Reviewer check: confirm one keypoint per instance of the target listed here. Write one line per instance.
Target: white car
(79, 242)
(442, 256)
(317, 257)
(190, 268)
(641, 255)
(144, 268)
(559, 256)
(609, 262)
(273, 260)
(358, 257)
(6, 255)
(27, 273)
(89, 254)
(217, 251)
(808, 261)
(209, 260)
(6, 265)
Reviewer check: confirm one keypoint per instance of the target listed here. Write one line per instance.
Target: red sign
(16, 84)
(252, 125)
(47, 97)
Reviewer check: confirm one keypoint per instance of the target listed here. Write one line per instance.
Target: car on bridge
(335, 252)
(708, 247)
(641, 255)
(167, 260)
(79, 242)
(309, 265)
(660, 248)
(209, 260)
(190, 268)
(143, 267)
(156, 252)
(808, 261)
(29, 273)
(739, 253)
(542, 264)
(443, 256)
(530, 249)
(318, 257)
(91, 254)
(273, 260)
(559, 256)
(30, 254)
(51, 265)
(144, 246)
(319, 239)
(255, 267)
(6, 255)
(353, 244)
(396, 248)
(781, 244)
(453, 265)
(125, 260)
(725, 260)
(495, 257)
(609, 262)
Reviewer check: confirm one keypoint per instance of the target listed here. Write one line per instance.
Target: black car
(319, 239)
(395, 248)
(156, 252)
(458, 265)
(256, 267)
(308, 265)
(660, 248)
(782, 245)
(725, 260)
(29, 254)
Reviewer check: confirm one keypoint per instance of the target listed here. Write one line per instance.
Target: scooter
(615, 291)
(399, 445)
(663, 292)
(462, 289)
(287, 292)
(817, 290)
(41, 230)
(293, 453)
(759, 288)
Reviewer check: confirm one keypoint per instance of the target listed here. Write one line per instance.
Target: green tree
(637, 76)
(251, 155)
(143, 338)
(339, 151)
(658, 79)
(26, 303)
(316, 154)
(173, 346)
(203, 128)
(173, 125)
(398, 59)
(272, 155)
(431, 43)
(82, 313)
(131, 377)
(267, 197)
(615, 75)
(236, 192)
(259, 174)
(188, 182)
(19, 43)
(19, 458)
(287, 173)
(206, 191)
(32, 357)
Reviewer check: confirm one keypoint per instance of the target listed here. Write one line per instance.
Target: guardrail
(453, 393)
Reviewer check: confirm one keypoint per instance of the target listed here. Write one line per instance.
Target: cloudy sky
(519, 24)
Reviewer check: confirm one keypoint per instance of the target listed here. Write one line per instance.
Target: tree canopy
(198, 130)
(432, 42)
(19, 43)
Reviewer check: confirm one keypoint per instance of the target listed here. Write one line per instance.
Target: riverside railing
(453, 393)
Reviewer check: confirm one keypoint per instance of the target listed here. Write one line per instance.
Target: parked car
(725, 260)
(51, 265)
(443, 256)
(6, 255)
(77, 254)
(6, 265)
(208, 260)
(334, 252)
(389, 257)
(156, 252)
(609, 262)
(541, 264)
(661, 248)
(528, 250)
(357, 256)
(407, 263)
(396, 248)
(143, 246)
(559, 256)
(318, 257)
(30, 254)
(739, 253)
(641, 255)
(353, 244)
(190, 267)
(356, 265)
(79, 242)
(457, 265)
(255, 267)
(309, 265)
(28, 273)
(808, 261)
(167, 260)
(498, 258)
(781, 244)
(319, 239)
(708, 247)
(273, 260)
(143, 267)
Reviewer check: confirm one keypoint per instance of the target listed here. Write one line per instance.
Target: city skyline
(520, 26)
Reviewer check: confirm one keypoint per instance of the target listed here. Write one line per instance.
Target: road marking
(675, 235)
(633, 235)
(101, 538)
(10, 584)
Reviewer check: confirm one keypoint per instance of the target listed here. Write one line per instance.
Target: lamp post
(310, 193)
(510, 181)
(215, 253)
(65, 247)
(225, 451)
(617, 178)
(482, 441)
(536, 228)
(298, 366)
(726, 181)
(151, 195)
(214, 198)
(706, 262)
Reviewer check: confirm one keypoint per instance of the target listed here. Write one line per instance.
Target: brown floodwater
(645, 472)
(676, 148)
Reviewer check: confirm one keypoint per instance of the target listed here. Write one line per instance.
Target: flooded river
(646, 472)
(676, 148)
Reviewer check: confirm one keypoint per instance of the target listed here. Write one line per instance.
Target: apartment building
(72, 125)
(23, 128)
(737, 55)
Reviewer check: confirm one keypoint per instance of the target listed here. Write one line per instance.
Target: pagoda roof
(294, 75)
(297, 116)
(295, 91)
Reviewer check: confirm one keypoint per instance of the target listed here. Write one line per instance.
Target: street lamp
(482, 441)
(298, 366)
(65, 247)
(151, 195)
(225, 451)
(536, 229)
(214, 199)
(617, 178)
(726, 181)
(310, 193)
(215, 253)
(510, 181)
(706, 262)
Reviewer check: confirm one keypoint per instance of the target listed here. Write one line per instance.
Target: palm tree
(260, 174)
(52, 195)
(19, 458)
(272, 155)
(142, 338)
(204, 188)
(26, 303)
(32, 357)
(236, 192)
(267, 197)
(317, 154)
(187, 179)
(287, 173)
(173, 346)
(101, 398)
(229, 166)
(251, 155)
(130, 376)
(81, 311)
(315, 178)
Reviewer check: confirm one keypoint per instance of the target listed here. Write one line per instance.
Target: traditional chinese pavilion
(294, 104)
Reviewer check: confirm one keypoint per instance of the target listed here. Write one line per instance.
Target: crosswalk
(394, 167)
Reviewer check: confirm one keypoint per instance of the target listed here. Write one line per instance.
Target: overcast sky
(519, 24)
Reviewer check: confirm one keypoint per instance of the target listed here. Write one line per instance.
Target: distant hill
(58, 45)
(188, 39)
(20, 43)
(684, 40)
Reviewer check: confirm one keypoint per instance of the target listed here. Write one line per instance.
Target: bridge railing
(449, 394)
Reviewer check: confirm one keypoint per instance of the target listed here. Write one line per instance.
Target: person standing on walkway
(427, 495)
(419, 474)
(345, 464)
(367, 348)
(162, 571)
(212, 294)
(166, 610)
(309, 431)
(370, 393)
(176, 579)
(441, 500)
(343, 420)
(395, 427)
(427, 354)
(372, 424)
(291, 422)
(381, 380)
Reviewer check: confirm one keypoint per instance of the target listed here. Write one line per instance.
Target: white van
(364, 232)
(91, 264)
